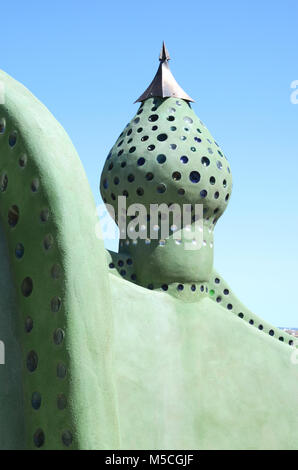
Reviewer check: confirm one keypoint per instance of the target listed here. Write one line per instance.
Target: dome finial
(164, 53)
(164, 84)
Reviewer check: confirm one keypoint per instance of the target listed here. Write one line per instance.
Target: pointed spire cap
(164, 84)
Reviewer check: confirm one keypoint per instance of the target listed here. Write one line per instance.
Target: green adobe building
(147, 348)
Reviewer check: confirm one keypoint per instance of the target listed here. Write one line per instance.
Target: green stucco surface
(116, 354)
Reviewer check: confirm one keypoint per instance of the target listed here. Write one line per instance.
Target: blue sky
(89, 61)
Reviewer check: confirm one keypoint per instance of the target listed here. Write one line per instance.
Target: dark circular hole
(44, 215)
(205, 161)
(154, 128)
(194, 176)
(13, 216)
(27, 287)
(12, 139)
(28, 324)
(120, 143)
(193, 287)
(56, 304)
(67, 438)
(56, 271)
(35, 185)
(197, 139)
(144, 138)
(125, 193)
(176, 176)
(61, 402)
(110, 167)
(229, 306)
(141, 161)
(36, 400)
(251, 322)
(216, 280)
(181, 191)
(161, 188)
(48, 242)
(164, 287)
(216, 195)
(140, 111)
(271, 333)
(212, 180)
(224, 183)
(203, 193)
(226, 291)
(161, 158)
(61, 370)
(2, 125)
(130, 178)
(260, 327)
(240, 315)
(129, 261)
(184, 159)
(39, 438)
(149, 176)
(281, 338)
(32, 361)
(151, 147)
(227, 197)
(111, 265)
(116, 180)
(132, 149)
(153, 117)
(218, 299)
(3, 183)
(19, 251)
(180, 287)
(58, 336)
(120, 152)
(170, 118)
(140, 191)
(123, 164)
(162, 137)
(150, 286)
(139, 130)
(129, 132)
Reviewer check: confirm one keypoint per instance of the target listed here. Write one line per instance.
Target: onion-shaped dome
(166, 154)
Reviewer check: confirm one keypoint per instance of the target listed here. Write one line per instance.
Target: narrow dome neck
(171, 261)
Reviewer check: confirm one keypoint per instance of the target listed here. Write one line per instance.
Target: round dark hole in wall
(149, 176)
(27, 286)
(39, 438)
(13, 216)
(61, 401)
(12, 139)
(161, 188)
(162, 137)
(194, 176)
(67, 438)
(3, 183)
(32, 361)
(176, 176)
(161, 158)
(28, 324)
(61, 370)
(153, 117)
(36, 400)
(141, 161)
(19, 251)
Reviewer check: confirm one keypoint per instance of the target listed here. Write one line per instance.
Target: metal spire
(164, 84)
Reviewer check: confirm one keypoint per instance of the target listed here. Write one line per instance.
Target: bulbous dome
(167, 155)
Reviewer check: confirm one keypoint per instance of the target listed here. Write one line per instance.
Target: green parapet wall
(58, 330)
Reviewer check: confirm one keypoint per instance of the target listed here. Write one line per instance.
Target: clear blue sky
(88, 61)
